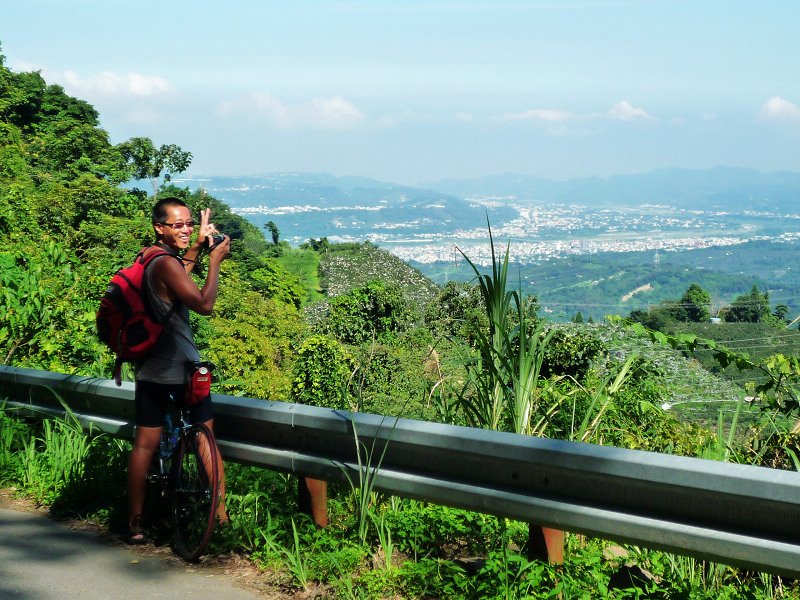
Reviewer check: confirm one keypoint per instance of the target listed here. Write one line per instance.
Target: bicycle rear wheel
(194, 493)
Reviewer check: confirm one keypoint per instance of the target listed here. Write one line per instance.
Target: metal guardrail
(734, 514)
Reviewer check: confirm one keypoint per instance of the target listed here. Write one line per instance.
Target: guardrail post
(545, 544)
(312, 499)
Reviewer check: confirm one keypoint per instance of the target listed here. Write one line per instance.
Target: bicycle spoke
(194, 492)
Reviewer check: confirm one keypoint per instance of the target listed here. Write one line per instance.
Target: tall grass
(361, 486)
(44, 460)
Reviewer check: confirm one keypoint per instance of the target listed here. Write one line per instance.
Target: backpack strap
(118, 371)
(146, 259)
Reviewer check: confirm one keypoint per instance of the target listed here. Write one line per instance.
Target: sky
(413, 92)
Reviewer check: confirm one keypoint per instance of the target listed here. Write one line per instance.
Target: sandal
(134, 537)
(135, 534)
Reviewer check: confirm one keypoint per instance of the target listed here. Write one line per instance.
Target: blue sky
(418, 91)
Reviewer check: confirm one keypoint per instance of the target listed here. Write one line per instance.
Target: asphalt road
(42, 560)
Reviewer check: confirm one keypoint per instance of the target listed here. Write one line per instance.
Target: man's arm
(182, 288)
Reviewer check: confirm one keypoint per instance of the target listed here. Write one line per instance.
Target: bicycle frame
(185, 469)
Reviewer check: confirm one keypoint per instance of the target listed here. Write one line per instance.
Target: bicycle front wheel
(195, 492)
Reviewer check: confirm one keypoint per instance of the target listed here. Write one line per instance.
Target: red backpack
(125, 321)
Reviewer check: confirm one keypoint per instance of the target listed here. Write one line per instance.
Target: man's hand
(207, 229)
(221, 251)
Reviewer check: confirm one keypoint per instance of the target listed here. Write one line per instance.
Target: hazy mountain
(721, 188)
(306, 205)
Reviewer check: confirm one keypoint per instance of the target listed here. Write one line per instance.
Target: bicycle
(185, 471)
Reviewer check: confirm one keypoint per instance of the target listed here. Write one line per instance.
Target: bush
(374, 311)
(321, 373)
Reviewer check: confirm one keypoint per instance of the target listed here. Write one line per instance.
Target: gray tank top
(168, 361)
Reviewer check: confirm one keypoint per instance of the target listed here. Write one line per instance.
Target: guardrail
(735, 514)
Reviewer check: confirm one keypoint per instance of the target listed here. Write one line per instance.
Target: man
(164, 372)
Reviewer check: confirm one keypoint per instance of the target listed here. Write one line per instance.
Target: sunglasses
(178, 225)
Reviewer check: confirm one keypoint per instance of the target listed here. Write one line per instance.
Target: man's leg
(222, 513)
(144, 446)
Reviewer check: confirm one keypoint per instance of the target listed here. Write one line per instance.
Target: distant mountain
(320, 189)
(305, 205)
(721, 188)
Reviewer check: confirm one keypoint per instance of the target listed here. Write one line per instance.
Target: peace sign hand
(207, 230)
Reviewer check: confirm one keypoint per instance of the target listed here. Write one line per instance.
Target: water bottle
(173, 437)
(168, 440)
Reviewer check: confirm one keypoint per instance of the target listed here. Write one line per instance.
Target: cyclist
(162, 373)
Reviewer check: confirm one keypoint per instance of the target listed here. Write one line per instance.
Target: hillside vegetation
(349, 327)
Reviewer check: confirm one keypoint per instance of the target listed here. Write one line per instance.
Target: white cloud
(625, 111)
(547, 115)
(778, 108)
(324, 113)
(621, 111)
(109, 84)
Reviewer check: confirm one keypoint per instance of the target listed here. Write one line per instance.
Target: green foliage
(458, 311)
(694, 304)
(571, 352)
(374, 311)
(303, 264)
(504, 385)
(250, 338)
(748, 308)
(321, 373)
(394, 379)
(144, 161)
(47, 459)
(47, 311)
(780, 384)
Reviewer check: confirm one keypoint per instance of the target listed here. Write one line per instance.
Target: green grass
(305, 264)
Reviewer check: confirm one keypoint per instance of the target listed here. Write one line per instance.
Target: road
(41, 559)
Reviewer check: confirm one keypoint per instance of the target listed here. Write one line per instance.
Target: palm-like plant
(504, 384)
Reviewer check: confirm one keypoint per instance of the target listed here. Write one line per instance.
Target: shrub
(321, 373)
(376, 310)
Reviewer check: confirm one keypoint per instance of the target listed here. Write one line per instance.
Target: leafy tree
(748, 308)
(145, 161)
(780, 312)
(578, 318)
(321, 373)
(274, 231)
(250, 338)
(695, 304)
(376, 310)
(318, 245)
(458, 312)
(658, 318)
(570, 351)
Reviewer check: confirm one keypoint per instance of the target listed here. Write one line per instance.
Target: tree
(376, 310)
(321, 373)
(748, 308)
(780, 312)
(273, 229)
(317, 245)
(695, 304)
(145, 161)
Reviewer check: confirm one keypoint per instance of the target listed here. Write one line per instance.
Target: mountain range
(722, 188)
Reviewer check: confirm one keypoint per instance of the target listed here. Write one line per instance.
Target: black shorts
(152, 399)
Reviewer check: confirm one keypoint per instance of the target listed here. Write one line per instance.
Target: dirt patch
(9, 500)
